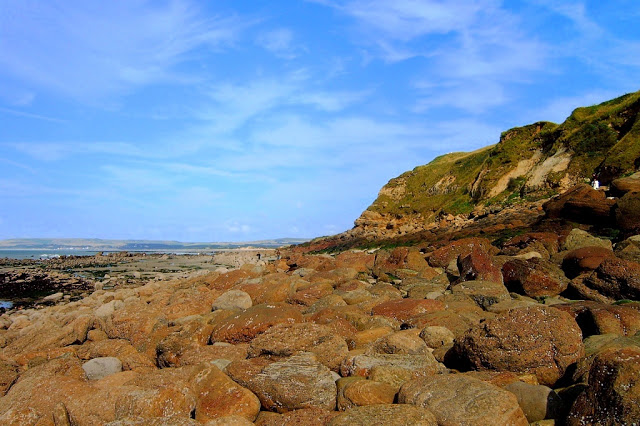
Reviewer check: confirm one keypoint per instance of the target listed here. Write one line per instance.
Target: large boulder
(456, 399)
(595, 345)
(578, 238)
(232, 299)
(540, 242)
(360, 261)
(584, 259)
(621, 186)
(271, 288)
(538, 402)
(98, 368)
(616, 278)
(365, 392)
(244, 326)
(629, 249)
(443, 256)
(613, 394)
(402, 342)
(581, 204)
(288, 339)
(401, 262)
(310, 295)
(299, 381)
(600, 318)
(218, 396)
(628, 213)
(478, 265)
(534, 277)
(406, 309)
(540, 340)
(484, 293)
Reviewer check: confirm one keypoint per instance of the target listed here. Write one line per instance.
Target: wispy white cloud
(19, 113)
(469, 47)
(231, 106)
(89, 50)
(280, 42)
(53, 151)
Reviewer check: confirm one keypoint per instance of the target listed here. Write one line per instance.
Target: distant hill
(95, 244)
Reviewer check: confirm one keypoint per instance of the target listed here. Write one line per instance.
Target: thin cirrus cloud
(95, 49)
(466, 45)
(280, 42)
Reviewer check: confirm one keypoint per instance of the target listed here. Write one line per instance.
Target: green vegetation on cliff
(528, 163)
(442, 182)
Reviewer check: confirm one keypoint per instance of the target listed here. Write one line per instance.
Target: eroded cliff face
(528, 164)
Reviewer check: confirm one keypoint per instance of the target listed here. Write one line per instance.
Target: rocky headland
(507, 295)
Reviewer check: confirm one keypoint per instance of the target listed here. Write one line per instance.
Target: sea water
(43, 253)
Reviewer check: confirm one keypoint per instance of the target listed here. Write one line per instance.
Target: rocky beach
(489, 301)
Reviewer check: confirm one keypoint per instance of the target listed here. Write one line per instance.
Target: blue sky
(245, 120)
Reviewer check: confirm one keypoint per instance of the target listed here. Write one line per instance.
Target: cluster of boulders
(20, 284)
(542, 328)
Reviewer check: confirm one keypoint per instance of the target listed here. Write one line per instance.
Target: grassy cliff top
(601, 139)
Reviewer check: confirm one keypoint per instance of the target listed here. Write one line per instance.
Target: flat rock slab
(98, 368)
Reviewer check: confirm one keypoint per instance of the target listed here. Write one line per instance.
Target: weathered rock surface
(402, 342)
(621, 186)
(613, 394)
(444, 395)
(233, 299)
(98, 368)
(299, 381)
(478, 266)
(615, 278)
(537, 402)
(484, 293)
(304, 416)
(366, 392)
(629, 249)
(534, 277)
(539, 340)
(288, 339)
(545, 242)
(406, 309)
(600, 318)
(578, 239)
(248, 324)
(584, 259)
(581, 204)
(386, 415)
(452, 251)
(628, 213)
(362, 364)
(218, 396)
